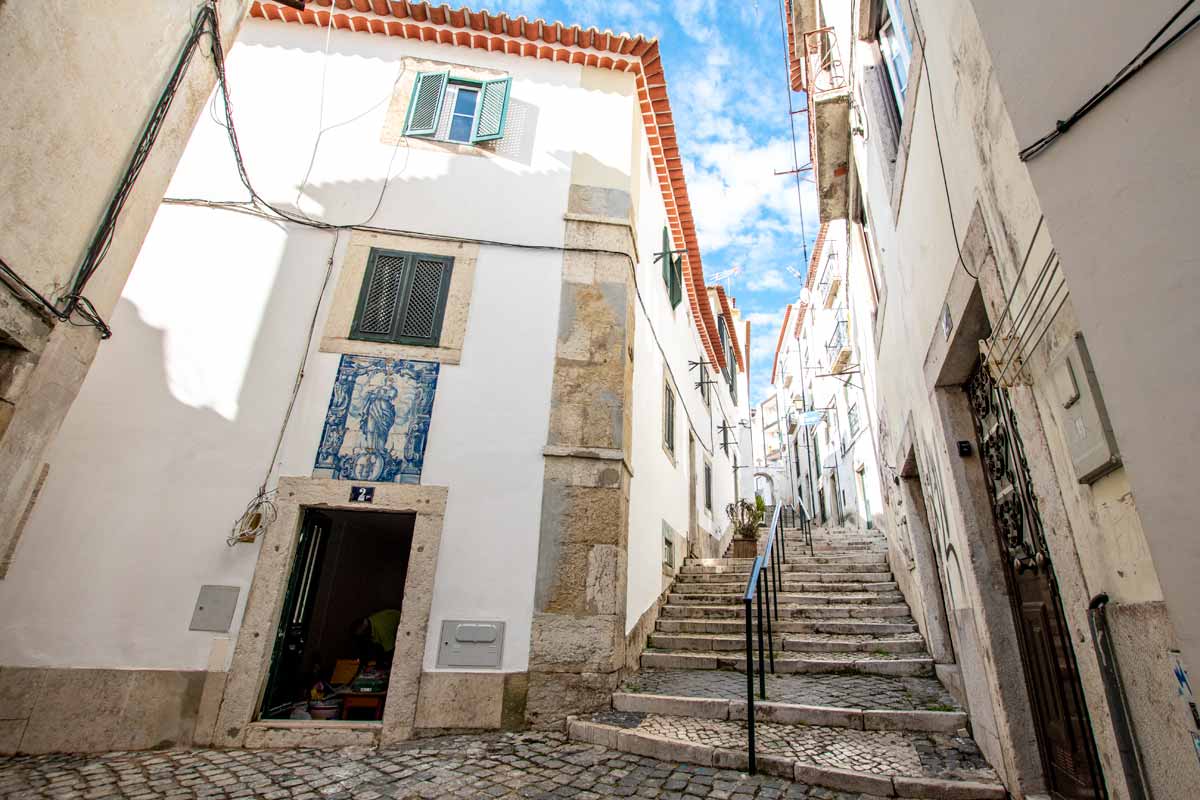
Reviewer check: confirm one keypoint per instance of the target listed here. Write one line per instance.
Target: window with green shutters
(669, 418)
(456, 109)
(672, 270)
(403, 298)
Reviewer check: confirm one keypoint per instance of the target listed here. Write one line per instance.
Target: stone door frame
(236, 721)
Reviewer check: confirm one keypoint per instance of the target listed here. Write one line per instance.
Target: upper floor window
(403, 298)
(672, 270)
(896, 49)
(669, 419)
(457, 109)
(708, 485)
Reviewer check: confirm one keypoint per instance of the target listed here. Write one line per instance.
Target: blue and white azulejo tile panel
(378, 420)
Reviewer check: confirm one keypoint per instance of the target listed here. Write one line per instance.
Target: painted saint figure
(378, 416)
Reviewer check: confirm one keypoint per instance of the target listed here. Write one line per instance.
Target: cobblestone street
(529, 765)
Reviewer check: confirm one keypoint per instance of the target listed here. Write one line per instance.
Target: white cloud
(767, 281)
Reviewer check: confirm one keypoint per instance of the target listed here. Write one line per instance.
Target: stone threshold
(268, 734)
(877, 784)
(792, 713)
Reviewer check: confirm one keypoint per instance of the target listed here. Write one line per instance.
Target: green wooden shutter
(381, 296)
(425, 107)
(403, 298)
(666, 257)
(676, 284)
(425, 301)
(491, 110)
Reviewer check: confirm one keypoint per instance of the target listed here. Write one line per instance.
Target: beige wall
(82, 79)
(1095, 533)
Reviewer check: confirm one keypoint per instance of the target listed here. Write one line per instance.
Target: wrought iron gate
(1064, 735)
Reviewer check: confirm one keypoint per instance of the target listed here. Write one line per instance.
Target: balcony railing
(823, 70)
(831, 276)
(838, 346)
(837, 339)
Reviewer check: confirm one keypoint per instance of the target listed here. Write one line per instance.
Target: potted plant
(745, 519)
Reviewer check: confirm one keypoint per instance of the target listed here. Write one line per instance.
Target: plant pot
(745, 548)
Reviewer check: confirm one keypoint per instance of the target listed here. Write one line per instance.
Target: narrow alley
(599, 398)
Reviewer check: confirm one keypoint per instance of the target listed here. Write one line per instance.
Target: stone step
(836, 643)
(797, 561)
(844, 690)
(874, 762)
(739, 587)
(804, 572)
(810, 644)
(791, 713)
(791, 598)
(786, 611)
(787, 663)
(734, 627)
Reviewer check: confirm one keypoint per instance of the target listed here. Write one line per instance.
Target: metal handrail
(753, 600)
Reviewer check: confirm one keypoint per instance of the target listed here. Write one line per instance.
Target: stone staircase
(852, 704)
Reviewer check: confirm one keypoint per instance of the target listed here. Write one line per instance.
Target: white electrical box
(1080, 408)
(471, 643)
(214, 609)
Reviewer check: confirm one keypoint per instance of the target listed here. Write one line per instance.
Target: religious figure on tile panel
(378, 420)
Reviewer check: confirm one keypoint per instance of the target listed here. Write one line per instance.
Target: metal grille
(421, 314)
(379, 311)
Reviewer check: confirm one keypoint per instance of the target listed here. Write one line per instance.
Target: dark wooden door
(285, 683)
(1060, 716)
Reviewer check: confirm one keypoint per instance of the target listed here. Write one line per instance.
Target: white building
(1037, 443)
(826, 386)
(459, 382)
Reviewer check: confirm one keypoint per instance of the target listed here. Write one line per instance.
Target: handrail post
(762, 673)
(770, 636)
(749, 683)
(778, 584)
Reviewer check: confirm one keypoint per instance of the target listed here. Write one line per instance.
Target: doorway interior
(333, 649)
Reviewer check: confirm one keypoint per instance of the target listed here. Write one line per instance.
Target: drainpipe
(1118, 702)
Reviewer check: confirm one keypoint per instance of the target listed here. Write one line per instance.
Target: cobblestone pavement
(906, 753)
(843, 691)
(525, 765)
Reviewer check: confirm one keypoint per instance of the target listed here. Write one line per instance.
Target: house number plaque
(362, 494)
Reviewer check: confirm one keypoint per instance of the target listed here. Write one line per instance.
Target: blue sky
(727, 80)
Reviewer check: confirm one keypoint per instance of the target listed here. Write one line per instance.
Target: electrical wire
(73, 303)
(787, 85)
(321, 131)
(259, 206)
(1135, 65)
(938, 140)
(261, 512)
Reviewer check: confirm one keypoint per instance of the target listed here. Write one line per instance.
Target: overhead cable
(1134, 66)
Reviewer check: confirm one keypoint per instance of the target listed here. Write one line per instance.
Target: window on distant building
(672, 266)
(669, 419)
(708, 485)
(896, 48)
(457, 110)
(403, 298)
(705, 391)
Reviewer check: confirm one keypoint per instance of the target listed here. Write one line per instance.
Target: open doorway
(337, 634)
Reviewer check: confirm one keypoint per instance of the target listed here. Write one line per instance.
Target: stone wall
(577, 647)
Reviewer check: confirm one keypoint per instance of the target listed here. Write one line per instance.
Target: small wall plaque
(362, 494)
